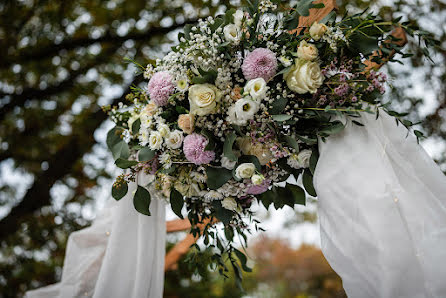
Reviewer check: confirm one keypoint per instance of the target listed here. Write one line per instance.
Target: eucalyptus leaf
(307, 180)
(141, 200)
(217, 177)
(146, 154)
(124, 163)
(113, 137)
(313, 160)
(119, 191)
(292, 143)
(227, 147)
(243, 260)
(135, 126)
(120, 150)
(281, 118)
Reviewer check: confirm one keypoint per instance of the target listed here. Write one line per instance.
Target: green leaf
(292, 143)
(176, 202)
(227, 147)
(250, 159)
(121, 150)
(135, 126)
(267, 198)
(211, 143)
(313, 160)
(307, 180)
(146, 154)
(141, 200)
(217, 177)
(118, 192)
(308, 141)
(334, 128)
(243, 260)
(303, 7)
(281, 118)
(113, 137)
(181, 110)
(124, 163)
(278, 105)
(222, 214)
(298, 194)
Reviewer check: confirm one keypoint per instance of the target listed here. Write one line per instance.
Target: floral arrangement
(239, 106)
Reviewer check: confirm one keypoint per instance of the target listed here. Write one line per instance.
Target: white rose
(174, 139)
(232, 33)
(304, 76)
(243, 110)
(229, 203)
(317, 30)
(245, 170)
(303, 157)
(256, 88)
(203, 99)
(227, 163)
(155, 140)
(163, 129)
(257, 179)
(238, 17)
(307, 51)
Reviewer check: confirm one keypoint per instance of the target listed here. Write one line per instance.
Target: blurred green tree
(61, 60)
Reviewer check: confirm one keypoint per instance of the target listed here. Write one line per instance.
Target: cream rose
(304, 76)
(245, 170)
(174, 139)
(155, 140)
(203, 99)
(317, 30)
(256, 88)
(232, 33)
(150, 108)
(229, 203)
(259, 150)
(303, 157)
(257, 179)
(186, 123)
(163, 130)
(307, 51)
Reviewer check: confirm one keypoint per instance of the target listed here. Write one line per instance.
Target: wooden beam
(317, 14)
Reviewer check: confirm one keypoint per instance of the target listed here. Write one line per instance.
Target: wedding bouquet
(237, 109)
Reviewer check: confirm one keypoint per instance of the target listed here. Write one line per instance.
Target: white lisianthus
(227, 163)
(303, 157)
(229, 203)
(243, 110)
(304, 76)
(155, 140)
(232, 33)
(257, 179)
(317, 30)
(163, 130)
(238, 17)
(203, 99)
(175, 139)
(256, 88)
(245, 170)
(307, 51)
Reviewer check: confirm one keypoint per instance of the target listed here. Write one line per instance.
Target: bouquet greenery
(236, 110)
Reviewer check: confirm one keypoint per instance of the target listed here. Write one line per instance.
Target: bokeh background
(60, 60)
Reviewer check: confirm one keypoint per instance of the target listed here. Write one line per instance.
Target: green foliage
(141, 200)
(176, 202)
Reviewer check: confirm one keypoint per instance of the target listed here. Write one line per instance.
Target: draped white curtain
(382, 211)
(120, 255)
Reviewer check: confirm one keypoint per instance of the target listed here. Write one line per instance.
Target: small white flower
(257, 179)
(245, 170)
(229, 203)
(213, 196)
(182, 84)
(175, 139)
(238, 18)
(232, 33)
(227, 163)
(256, 88)
(285, 61)
(242, 111)
(166, 160)
(155, 140)
(163, 130)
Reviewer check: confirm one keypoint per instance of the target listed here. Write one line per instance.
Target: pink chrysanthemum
(260, 63)
(258, 189)
(160, 87)
(193, 147)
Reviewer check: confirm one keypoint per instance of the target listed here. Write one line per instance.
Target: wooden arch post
(182, 247)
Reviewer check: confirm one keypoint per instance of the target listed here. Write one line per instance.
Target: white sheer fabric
(120, 255)
(382, 211)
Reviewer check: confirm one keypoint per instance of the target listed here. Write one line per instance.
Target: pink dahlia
(193, 147)
(260, 63)
(258, 189)
(160, 88)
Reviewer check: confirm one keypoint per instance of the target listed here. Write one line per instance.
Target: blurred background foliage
(61, 60)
